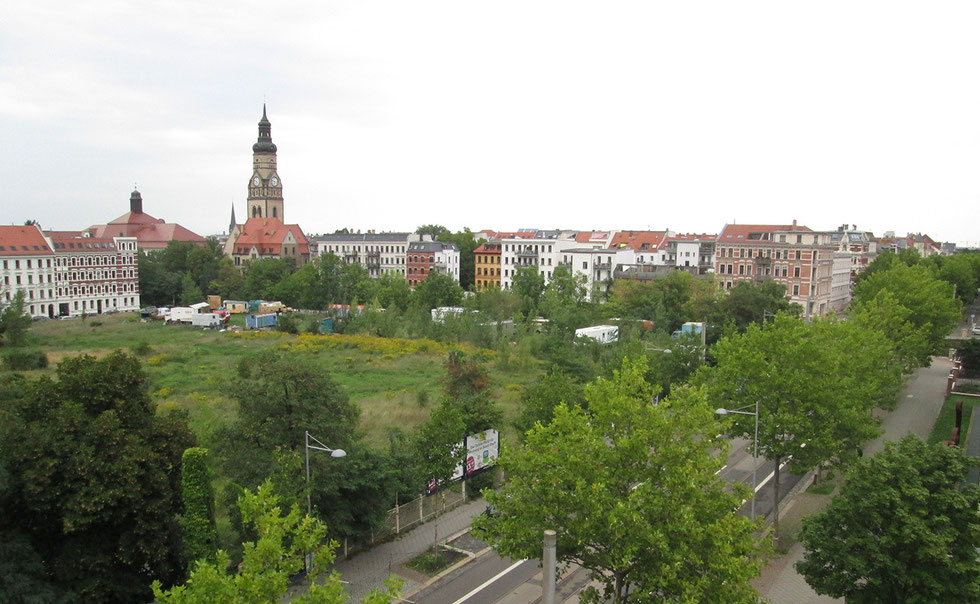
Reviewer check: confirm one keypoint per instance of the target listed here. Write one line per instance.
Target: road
(490, 578)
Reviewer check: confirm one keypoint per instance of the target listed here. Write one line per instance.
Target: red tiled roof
(494, 248)
(638, 240)
(64, 234)
(267, 235)
(741, 232)
(587, 236)
(25, 240)
(151, 233)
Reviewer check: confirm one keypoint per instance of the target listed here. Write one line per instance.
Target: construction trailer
(604, 334)
(260, 321)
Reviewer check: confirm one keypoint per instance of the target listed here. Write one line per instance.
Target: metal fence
(407, 516)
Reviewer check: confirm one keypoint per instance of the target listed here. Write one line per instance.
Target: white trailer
(180, 314)
(604, 334)
(207, 320)
(439, 314)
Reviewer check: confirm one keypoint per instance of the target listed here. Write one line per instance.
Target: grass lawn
(943, 427)
(394, 382)
(434, 561)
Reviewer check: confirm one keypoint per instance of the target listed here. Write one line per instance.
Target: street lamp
(309, 505)
(755, 449)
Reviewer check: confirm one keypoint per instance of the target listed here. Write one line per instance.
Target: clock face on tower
(256, 181)
(275, 181)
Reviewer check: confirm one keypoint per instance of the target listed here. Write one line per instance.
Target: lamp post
(755, 449)
(309, 504)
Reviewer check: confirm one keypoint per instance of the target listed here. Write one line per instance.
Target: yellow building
(487, 259)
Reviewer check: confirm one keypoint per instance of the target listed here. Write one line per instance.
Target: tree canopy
(916, 309)
(284, 538)
(904, 528)
(630, 488)
(815, 385)
(94, 477)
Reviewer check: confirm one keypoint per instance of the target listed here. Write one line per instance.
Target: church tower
(265, 188)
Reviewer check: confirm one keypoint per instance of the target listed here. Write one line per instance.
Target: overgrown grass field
(395, 382)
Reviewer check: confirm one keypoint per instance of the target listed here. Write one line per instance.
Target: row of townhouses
(68, 275)
(95, 270)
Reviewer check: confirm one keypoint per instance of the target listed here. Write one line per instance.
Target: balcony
(373, 259)
(527, 253)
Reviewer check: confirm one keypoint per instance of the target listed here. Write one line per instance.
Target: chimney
(136, 203)
(794, 222)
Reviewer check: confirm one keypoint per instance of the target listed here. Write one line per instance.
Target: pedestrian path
(919, 404)
(367, 570)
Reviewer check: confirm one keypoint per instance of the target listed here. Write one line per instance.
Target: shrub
(142, 349)
(23, 360)
(288, 323)
(968, 387)
(95, 324)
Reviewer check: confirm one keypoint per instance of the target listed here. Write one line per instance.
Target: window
(796, 290)
(797, 254)
(796, 271)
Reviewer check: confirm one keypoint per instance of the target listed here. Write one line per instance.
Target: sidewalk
(919, 403)
(367, 570)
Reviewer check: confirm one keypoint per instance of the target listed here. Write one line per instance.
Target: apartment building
(426, 257)
(379, 253)
(65, 275)
(96, 274)
(792, 255)
(486, 260)
(537, 251)
(27, 265)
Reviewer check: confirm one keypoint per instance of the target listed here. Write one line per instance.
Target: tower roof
(264, 144)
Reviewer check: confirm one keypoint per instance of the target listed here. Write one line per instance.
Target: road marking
(489, 581)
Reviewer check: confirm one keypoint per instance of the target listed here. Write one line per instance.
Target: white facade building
(27, 265)
(379, 253)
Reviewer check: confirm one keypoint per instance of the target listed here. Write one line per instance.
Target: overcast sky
(497, 115)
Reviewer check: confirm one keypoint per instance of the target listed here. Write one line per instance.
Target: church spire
(231, 227)
(264, 143)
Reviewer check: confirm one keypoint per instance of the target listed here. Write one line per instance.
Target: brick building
(792, 255)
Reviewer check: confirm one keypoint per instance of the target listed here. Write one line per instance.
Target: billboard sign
(482, 450)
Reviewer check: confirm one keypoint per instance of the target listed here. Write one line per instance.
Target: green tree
(963, 271)
(630, 488)
(433, 230)
(437, 290)
(14, 321)
(564, 302)
(280, 396)
(229, 283)
(190, 293)
(815, 385)
(200, 528)
(932, 309)
(749, 302)
(270, 561)
(904, 528)
(263, 275)
(466, 243)
(94, 477)
(528, 284)
(539, 399)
